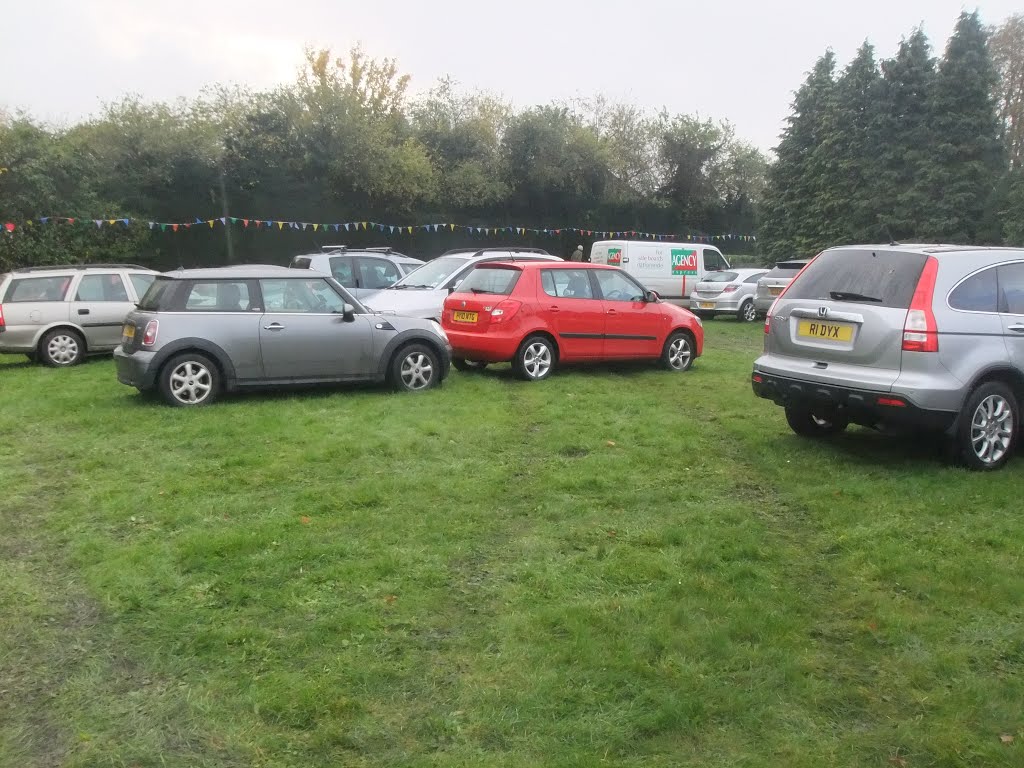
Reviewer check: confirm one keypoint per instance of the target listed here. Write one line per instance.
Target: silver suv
(923, 336)
(58, 315)
(360, 270)
(201, 331)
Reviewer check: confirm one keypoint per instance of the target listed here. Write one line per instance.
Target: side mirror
(348, 313)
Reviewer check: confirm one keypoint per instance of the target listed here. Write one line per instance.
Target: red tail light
(149, 337)
(920, 333)
(729, 288)
(1, 317)
(504, 311)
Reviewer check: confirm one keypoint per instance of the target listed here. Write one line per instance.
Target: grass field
(614, 567)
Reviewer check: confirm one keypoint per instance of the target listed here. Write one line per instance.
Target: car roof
(80, 268)
(554, 263)
(932, 249)
(241, 271)
(745, 271)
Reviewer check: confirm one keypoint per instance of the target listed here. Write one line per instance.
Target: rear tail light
(149, 337)
(504, 311)
(729, 288)
(893, 402)
(1, 317)
(920, 333)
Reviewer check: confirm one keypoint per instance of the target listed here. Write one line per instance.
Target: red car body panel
(490, 327)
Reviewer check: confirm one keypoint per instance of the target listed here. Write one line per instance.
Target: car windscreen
(491, 279)
(433, 274)
(880, 278)
(162, 287)
(719, 277)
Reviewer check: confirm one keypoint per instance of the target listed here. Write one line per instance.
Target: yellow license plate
(815, 329)
(706, 304)
(129, 331)
(464, 317)
(774, 290)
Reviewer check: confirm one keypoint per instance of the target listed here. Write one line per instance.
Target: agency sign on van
(671, 269)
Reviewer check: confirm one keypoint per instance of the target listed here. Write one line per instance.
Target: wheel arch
(547, 335)
(1005, 374)
(206, 348)
(65, 325)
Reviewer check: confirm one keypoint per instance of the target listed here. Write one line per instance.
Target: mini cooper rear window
(500, 280)
(876, 277)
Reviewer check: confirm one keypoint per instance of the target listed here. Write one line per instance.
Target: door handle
(273, 327)
(1015, 328)
(554, 309)
(612, 312)
(83, 311)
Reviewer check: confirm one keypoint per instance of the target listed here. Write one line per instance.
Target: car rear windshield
(491, 279)
(162, 287)
(719, 277)
(785, 269)
(881, 278)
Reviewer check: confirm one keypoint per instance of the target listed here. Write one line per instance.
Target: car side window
(101, 288)
(343, 270)
(377, 273)
(1011, 288)
(615, 286)
(713, 260)
(38, 289)
(754, 278)
(978, 293)
(218, 296)
(310, 296)
(142, 283)
(566, 283)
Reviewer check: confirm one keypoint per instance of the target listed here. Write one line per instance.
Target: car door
(99, 306)
(633, 327)
(304, 334)
(569, 307)
(1011, 310)
(375, 274)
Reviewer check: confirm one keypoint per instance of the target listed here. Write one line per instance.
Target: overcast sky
(739, 60)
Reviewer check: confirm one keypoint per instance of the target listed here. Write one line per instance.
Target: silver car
(927, 337)
(58, 315)
(726, 293)
(422, 293)
(773, 282)
(199, 332)
(361, 271)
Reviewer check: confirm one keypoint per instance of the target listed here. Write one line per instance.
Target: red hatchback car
(541, 314)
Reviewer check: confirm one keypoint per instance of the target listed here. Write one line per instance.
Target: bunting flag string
(373, 226)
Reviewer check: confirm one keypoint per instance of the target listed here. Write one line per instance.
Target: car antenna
(892, 240)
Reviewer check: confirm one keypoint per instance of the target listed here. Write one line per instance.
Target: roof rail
(333, 247)
(513, 251)
(54, 267)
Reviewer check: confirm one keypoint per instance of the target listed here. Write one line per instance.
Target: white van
(670, 269)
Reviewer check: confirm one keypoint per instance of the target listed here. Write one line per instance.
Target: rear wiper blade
(844, 296)
(480, 290)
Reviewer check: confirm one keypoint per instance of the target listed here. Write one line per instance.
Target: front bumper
(135, 370)
(858, 405)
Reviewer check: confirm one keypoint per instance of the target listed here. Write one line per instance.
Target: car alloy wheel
(678, 352)
(989, 427)
(417, 371)
(191, 382)
(537, 360)
(747, 312)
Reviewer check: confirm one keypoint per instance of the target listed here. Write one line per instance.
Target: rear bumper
(135, 370)
(763, 304)
(484, 347)
(860, 406)
(719, 305)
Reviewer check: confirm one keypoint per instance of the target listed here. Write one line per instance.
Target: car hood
(411, 302)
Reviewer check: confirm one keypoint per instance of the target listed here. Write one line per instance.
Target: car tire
(678, 352)
(189, 380)
(815, 422)
(987, 432)
(535, 359)
(61, 348)
(747, 313)
(462, 364)
(415, 368)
